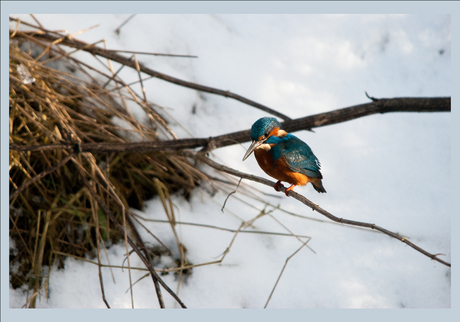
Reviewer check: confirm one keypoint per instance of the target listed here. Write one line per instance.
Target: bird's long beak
(251, 148)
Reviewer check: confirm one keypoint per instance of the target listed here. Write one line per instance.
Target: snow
(392, 169)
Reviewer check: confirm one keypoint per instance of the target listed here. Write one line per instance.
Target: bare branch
(313, 206)
(71, 42)
(382, 105)
(386, 105)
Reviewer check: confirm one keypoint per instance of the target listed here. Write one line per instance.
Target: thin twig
(98, 255)
(292, 234)
(117, 31)
(125, 236)
(231, 193)
(282, 271)
(148, 53)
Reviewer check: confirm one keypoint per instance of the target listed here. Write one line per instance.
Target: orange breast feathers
(279, 169)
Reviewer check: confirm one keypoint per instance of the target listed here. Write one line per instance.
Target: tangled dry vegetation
(55, 196)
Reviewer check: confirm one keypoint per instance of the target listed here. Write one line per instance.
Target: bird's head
(261, 131)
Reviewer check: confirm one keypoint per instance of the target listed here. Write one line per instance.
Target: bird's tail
(318, 185)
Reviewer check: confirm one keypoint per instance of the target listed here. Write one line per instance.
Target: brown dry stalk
(98, 254)
(119, 227)
(60, 107)
(39, 176)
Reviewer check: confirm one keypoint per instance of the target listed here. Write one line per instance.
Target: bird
(284, 156)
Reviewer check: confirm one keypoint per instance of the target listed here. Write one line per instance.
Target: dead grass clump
(53, 214)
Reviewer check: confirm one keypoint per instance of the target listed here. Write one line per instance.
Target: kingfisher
(284, 156)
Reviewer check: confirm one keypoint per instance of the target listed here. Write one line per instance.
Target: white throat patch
(264, 146)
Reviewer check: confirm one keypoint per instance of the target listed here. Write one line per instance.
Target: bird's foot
(277, 185)
(289, 189)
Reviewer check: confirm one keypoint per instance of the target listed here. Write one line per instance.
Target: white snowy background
(392, 169)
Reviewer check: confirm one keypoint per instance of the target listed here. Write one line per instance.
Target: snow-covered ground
(392, 169)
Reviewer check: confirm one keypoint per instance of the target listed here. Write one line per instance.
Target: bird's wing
(300, 158)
